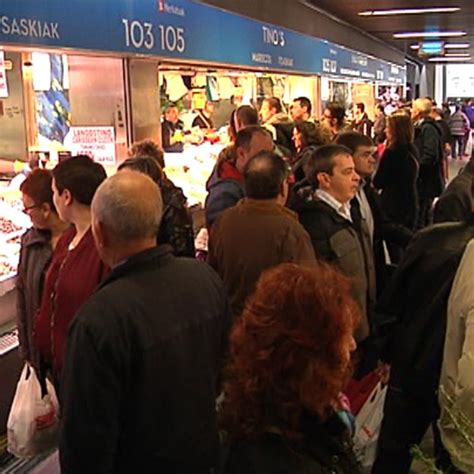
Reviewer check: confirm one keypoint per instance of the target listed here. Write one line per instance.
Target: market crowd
(335, 251)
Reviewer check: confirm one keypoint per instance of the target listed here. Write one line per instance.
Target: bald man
(144, 353)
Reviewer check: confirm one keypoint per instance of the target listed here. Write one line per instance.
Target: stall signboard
(183, 29)
(3, 77)
(96, 142)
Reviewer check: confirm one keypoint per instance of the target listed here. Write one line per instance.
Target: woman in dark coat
(37, 245)
(398, 171)
(290, 355)
(306, 137)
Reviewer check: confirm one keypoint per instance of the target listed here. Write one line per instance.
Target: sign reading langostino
(96, 142)
(181, 29)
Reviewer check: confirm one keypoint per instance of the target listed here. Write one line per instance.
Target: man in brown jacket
(259, 232)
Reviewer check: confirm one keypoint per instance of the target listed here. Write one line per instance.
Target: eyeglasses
(27, 209)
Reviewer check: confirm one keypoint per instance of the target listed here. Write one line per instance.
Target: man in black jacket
(325, 212)
(145, 352)
(414, 307)
(429, 142)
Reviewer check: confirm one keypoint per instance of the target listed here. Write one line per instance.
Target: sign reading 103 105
(141, 35)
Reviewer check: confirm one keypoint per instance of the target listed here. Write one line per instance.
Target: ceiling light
(457, 45)
(428, 34)
(415, 46)
(456, 55)
(442, 59)
(409, 11)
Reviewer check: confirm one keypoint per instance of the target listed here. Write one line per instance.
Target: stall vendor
(172, 134)
(204, 118)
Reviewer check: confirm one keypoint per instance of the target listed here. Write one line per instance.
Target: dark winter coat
(457, 201)
(413, 307)
(143, 360)
(337, 240)
(35, 256)
(429, 143)
(176, 228)
(396, 177)
(325, 449)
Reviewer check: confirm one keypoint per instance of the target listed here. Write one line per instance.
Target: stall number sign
(96, 142)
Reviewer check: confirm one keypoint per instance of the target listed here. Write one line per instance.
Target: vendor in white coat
(457, 378)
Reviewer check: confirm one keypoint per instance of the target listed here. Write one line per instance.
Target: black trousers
(407, 418)
(425, 217)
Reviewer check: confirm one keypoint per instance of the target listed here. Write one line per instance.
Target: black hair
(338, 111)
(80, 176)
(322, 161)
(312, 135)
(361, 106)
(264, 175)
(353, 140)
(144, 164)
(304, 102)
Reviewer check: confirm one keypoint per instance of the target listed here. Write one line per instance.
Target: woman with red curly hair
(290, 358)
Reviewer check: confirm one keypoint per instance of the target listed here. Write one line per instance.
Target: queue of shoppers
(240, 364)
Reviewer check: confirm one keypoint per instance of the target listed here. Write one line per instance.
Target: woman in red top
(76, 268)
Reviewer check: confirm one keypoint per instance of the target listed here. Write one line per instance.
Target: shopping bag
(33, 422)
(468, 151)
(367, 426)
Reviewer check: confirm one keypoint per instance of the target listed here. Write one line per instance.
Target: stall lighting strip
(409, 11)
(447, 46)
(429, 34)
(442, 59)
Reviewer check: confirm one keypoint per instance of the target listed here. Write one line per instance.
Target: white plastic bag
(32, 425)
(367, 426)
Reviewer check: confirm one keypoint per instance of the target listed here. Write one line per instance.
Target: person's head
(306, 134)
(290, 350)
(270, 107)
(400, 130)
(148, 148)
(209, 108)
(334, 115)
(359, 109)
(436, 113)
(331, 168)
(245, 116)
(250, 141)
(37, 197)
(301, 109)
(265, 177)
(126, 214)
(379, 110)
(172, 113)
(421, 108)
(362, 149)
(75, 182)
(143, 164)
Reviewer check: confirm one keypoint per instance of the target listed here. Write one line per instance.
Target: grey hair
(129, 206)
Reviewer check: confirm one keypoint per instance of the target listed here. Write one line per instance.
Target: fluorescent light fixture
(428, 34)
(443, 59)
(456, 55)
(409, 11)
(446, 46)
(457, 45)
